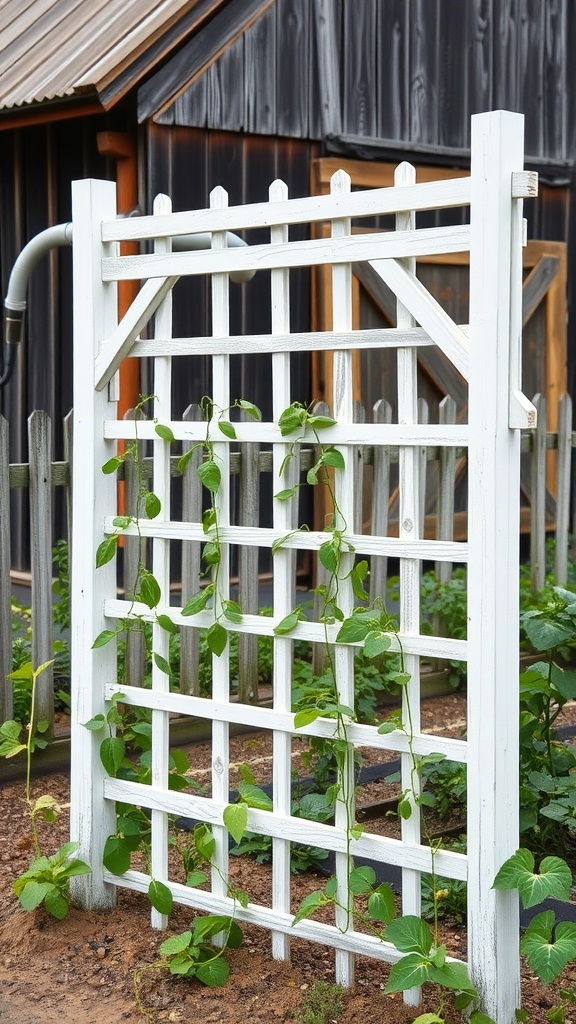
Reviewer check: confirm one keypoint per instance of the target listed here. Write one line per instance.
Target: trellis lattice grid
(486, 352)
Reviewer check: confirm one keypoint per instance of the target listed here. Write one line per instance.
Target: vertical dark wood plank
(505, 29)
(481, 60)
(190, 108)
(393, 69)
(292, 67)
(225, 89)
(359, 115)
(453, 79)
(6, 698)
(424, 51)
(556, 75)
(531, 27)
(40, 495)
(260, 74)
(325, 116)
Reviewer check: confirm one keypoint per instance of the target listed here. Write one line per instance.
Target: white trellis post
(493, 524)
(95, 317)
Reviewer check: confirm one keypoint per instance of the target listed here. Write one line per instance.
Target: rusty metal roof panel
(54, 49)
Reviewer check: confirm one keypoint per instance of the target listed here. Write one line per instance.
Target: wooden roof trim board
(196, 56)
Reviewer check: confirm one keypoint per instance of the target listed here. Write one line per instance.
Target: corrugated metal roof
(56, 49)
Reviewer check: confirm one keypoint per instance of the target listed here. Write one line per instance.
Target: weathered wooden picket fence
(542, 517)
(486, 352)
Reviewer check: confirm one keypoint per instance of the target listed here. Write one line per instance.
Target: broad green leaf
(210, 475)
(291, 419)
(76, 867)
(329, 555)
(149, 590)
(476, 1017)
(381, 904)
(116, 856)
(227, 429)
(288, 623)
(33, 893)
(333, 457)
(250, 408)
(104, 638)
(208, 926)
(25, 671)
(253, 796)
(405, 808)
(309, 905)
(321, 422)
(176, 944)
(287, 493)
(235, 818)
(152, 505)
(235, 936)
(216, 638)
(376, 643)
(196, 878)
(428, 1018)
(553, 879)
(121, 522)
(564, 679)
(162, 664)
(112, 465)
(185, 458)
(361, 880)
(211, 553)
(106, 551)
(204, 841)
(410, 972)
(232, 611)
(544, 635)
(56, 904)
(306, 717)
(410, 934)
(184, 964)
(166, 433)
(214, 973)
(165, 622)
(160, 897)
(356, 628)
(454, 976)
(198, 602)
(208, 519)
(357, 577)
(548, 956)
(112, 752)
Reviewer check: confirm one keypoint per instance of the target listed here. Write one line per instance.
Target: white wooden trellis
(487, 353)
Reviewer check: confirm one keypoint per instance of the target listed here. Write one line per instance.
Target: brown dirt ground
(82, 969)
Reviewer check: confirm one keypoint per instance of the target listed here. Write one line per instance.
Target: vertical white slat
(248, 569)
(92, 819)
(446, 483)
(284, 584)
(221, 665)
(538, 498)
(423, 418)
(68, 454)
(6, 695)
(161, 572)
(493, 530)
(40, 496)
(344, 490)
(191, 513)
(409, 529)
(563, 465)
(134, 552)
(382, 413)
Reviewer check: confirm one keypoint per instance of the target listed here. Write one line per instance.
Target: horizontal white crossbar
(267, 718)
(315, 632)
(274, 920)
(297, 830)
(317, 251)
(368, 203)
(266, 344)
(263, 537)
(427, 435)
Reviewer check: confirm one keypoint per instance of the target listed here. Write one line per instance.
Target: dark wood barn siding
(400, 70)
(37, 165)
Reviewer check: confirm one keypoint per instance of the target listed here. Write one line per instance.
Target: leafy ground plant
(322, 1004)
(46, 880)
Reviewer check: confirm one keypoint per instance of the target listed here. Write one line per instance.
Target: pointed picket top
(340, 182)
(278, 191)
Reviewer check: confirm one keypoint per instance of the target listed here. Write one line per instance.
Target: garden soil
(83, 969)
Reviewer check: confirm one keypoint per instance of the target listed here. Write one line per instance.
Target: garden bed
(83, 967)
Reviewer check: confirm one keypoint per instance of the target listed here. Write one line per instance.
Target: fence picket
(190, 571)
(40, 494)
(538, 498)
(6, 697)
(248, 570)
(563, 465)
(382, 413)
(134, 552)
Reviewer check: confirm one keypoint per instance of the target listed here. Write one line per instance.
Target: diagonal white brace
(118, 345)
(449, 337)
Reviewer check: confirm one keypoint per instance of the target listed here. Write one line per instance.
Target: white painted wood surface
(480, 352)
